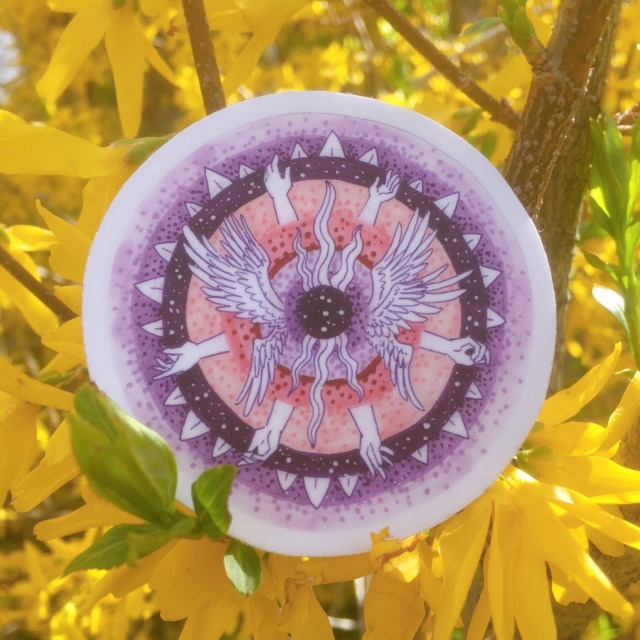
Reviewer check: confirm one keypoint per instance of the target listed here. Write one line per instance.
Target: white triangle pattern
(165, 250)
(448, 204)
(316, 489)
(215, 182)
(285, 479)
(421, 454)
(220, 447)
(332, 147)
(370, 157)
(455, 426)
(154, 328)
(193, 427)
(348, 484)
(175, 398)
(152, 289)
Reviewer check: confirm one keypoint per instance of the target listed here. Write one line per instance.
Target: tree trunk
(549, 161)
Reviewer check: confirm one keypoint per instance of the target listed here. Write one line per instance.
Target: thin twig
(204, 55)
(499, 111)
(14, 268)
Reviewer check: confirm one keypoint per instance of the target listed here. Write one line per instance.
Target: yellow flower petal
(530, 593)
(19, 385)
(39, 317)
(263, 614)
(506, 534)
(71, 295)
(18, 445)
(624, 417)
(26, 237)
(79, 38)
(594, 476)
(69, 256)
(189, 577)
(566, 403)
(315, 625)
(43, 481)
(67, 340)
(392, 608)
(126, 48)
(212, 622)
(558, 547)
(480, 618)
(34, 150)
(577, 438)
(461, 543)
(59, 446)
(565, 589)
(399, 557)
(430, 585)
(96, 512)
(125, 579)
(337, 569)
(158, 63)
(605, 544)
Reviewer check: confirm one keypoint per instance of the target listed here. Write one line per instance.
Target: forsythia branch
(204, 55)
(8, 262)
(499, 111)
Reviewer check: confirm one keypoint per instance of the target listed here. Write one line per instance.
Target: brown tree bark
(548, 163)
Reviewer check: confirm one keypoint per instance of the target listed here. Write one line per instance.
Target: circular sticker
(338, 296)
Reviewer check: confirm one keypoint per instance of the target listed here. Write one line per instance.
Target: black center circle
(324, 312)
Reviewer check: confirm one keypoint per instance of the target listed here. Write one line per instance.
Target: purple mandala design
(340, 298)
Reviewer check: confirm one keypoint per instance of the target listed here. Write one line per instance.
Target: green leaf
(210, 493)
(609, 172)
(613, 302)
(127, 543)
(481, 26)
(599, 263)
(509, 7)
(243, 566)
(125, 463)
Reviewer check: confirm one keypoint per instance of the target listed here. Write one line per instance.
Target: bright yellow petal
(19, 385)
(558, 547)
(315, 625)
(59, 446)
(530, 593)
(506, 535)
(566, 403)
(80, 37)
(337, 569)
(263, 614)
(69, 256)
(565, 589)
(244, 64)
(605, 544)
(624, 417)
(96, 198)
(392, 608)
(399, 557)
(26, 237)
(18, 445)
(593, 476)
(67, 340)
(126, 48)
(35, 150)
(577, 438)
(67, 6)
(480, 618)
(158, 63)
(125, 579)
(96, 512)
(213, 621)
(430, 585)
(71, 295)
(43, 481)
(188, 577)
(461, 544)
(38, 316)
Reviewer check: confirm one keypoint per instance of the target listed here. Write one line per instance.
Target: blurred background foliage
(338, 45)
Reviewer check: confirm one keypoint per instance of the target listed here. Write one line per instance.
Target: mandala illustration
(334, 304)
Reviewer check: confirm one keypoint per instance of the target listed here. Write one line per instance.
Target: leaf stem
(499, 111)
(204, 55)
(48, 298)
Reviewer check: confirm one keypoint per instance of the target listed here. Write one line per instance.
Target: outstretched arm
(464, 351)
(278, 188)
(265, 440)
(378, 194)
(372, 451)
(182, 358)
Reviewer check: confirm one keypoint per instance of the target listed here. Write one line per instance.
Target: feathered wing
(402, 293)
(238, 282)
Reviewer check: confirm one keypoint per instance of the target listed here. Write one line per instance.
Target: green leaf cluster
(614, 190)
(133, 468)
(513, 15)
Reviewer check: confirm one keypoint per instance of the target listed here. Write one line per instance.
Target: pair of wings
(238, 282)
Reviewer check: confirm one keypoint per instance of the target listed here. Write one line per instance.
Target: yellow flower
(128, 49)
(262, 18)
